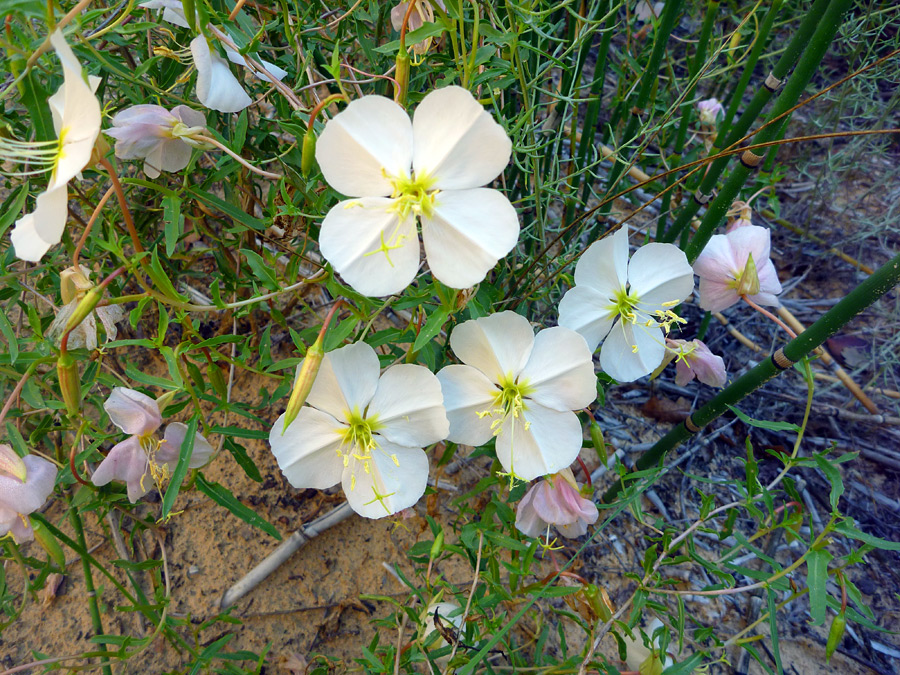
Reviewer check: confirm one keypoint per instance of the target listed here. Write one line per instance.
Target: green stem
(88, 582)
(882, 281)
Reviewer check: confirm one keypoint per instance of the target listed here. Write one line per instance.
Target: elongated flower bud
(599, 442)
(308, 153)
(69, 386)
(306, 375)
(748, 284)
(84, 308)
(835, 635)
(48, 542)
(599, 601)
(401, 75)
(11, 463)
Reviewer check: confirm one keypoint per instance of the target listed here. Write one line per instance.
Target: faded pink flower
(25, 484)
(142, 458)
(710, 109)
(737, 224)
(159, 137)
(693, 359)
(556, 501)
(734, 265)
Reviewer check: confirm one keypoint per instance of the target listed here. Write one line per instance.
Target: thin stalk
(881, 282)
(89, 582)
(788, 98)
(762, 96)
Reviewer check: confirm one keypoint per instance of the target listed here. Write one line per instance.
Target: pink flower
(556, 501)
(159, 137)
(142, 459)
(693, 359)
(710, 109)
(734, 265)
(25, 484)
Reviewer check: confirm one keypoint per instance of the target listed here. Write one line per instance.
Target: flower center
(509, 402)
(359, 442)
(413, 195)
(627, 305)
(624, 304)
(41, 155)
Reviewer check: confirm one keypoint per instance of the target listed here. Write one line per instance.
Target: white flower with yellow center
(627, 304)
(364, 431)
(431, 169)
(76, 118)
(520, 388)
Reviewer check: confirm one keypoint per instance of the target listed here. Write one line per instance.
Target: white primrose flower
(627, 304)
(397, 172)
(365, 431)
(76, 118)
(520, 388)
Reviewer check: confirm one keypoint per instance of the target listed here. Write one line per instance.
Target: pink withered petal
(126, 462)
(171, 447)
(710, 109)
(698, 361)
(556, 501)
(528, 522)
(133, 412)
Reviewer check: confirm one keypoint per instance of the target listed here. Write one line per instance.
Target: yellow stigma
(413, 195)
(624, 305)
(359, 435)
(509, 402)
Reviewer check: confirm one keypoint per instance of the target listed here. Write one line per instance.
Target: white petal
(467, 392)
(388, 486)
(585, 311)
(217, 88)
(126, 462)
(278, 73)
(604, 266)
(409, 407)
(37, 231)
(173, 156)
(191, 117)
(618, 358)
(560, 370)
(457, 142)
(498, 345)
(308, 452)
(716, 261)
(173, 10)
(551, 442)
(133, 412)
(347, 379)
(28, 497)
(351, 239)
(79, 123)
(658, 274)
(371, 137)
(469, 232)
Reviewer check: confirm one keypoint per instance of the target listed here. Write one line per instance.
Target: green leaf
(833, 474)
(428, 30)
(773, 629)
(10, 334)
(174, 222)
(229, 209)
(687, 666)
(12, 207)
(431, 328)
(223, 497)
(150, 380)
(161, 279)
(184, 458)
(817, 579)
(848, 530)
(261, 269)
(243, 459)
(764, 424)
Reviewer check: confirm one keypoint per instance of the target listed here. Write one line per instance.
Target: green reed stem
(882, 281)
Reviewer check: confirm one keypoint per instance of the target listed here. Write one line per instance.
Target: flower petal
(717, 261)
(716, 295)
(347, 379)
(528, 522)
(457, 142)
(409, 406)
(498, 345)
(469, 231)
(126, 462)
(604, 266)
(276, 72)
(37, 231)
(363, 145)
(585, 310)
(217, 88)
(308, 452)
(467, 392)
(191, 117)
(388, 486)
(560, 370)
(369, 247)
(660, 274)
(27, 497)
(133, 412)
(551, 442)
(173, 11)
(618, 358)
(171, 449)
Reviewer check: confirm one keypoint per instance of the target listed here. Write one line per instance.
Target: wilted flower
(159, 137)
(142, 458)
(737, 264)
(25, 484)
(448, 623)
(422, 13)
(76, 118)
(710, 109)
(73, 285)
(364, 430)
(556, 501)
(399, 172)
(520, 388)
(627, 304)
(644, 660)
(644, 10)
(693, 359)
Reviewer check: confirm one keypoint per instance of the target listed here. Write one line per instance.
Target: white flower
(627, 303)
(76, 118)
(364, 431)
(520, 388)
(159, 137)
(431, 169)
(73, 285)
(641, 659)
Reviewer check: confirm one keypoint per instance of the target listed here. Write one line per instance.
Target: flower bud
(306, 376)
(599, 442)
(214, 373)
(48, 542)
(401, 75)
(308, 153)
(599, 602)
(748, 284)
(84, 308)
(437, 546)
(69, 386)
(835, 635)
(11, 463)
(163, 401)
